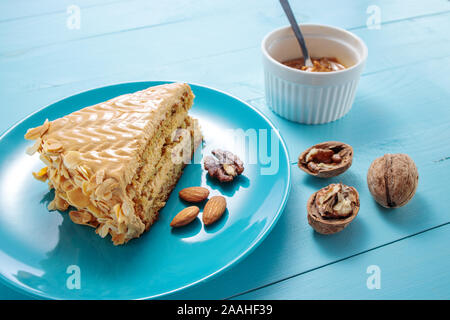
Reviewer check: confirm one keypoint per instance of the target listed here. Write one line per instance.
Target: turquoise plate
(46, 255)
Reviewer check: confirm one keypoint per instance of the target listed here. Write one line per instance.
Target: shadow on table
(409, 217)
(354, 236)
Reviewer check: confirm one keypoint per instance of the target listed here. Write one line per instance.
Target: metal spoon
(298, 34)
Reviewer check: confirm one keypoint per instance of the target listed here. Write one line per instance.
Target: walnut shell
(330, 225)
(326, 159)
(393, 180)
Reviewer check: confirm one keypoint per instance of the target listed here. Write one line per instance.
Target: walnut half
(326, 159)
(332, 208)
(224, 166)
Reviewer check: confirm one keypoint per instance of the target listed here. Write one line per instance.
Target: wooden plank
(425, 33)
(43, 24)
(65, 71)
(409, 269)
(25, 9)
(68, 64)
(224, 20)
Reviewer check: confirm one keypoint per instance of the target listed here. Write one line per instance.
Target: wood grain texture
(401, 106)
(36, 85)
(24, 9)
(408, 269)
(75, 66)
(43, 23)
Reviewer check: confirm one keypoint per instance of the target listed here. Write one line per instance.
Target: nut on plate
(332, 208)
(393, 180)
(194, 194)
(185, 216)
(326, 159)
(214, 209)
(223, 165)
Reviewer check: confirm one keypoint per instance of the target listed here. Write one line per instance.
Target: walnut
(332, 208)
(393, 180)
(224, 166)
(326, 159)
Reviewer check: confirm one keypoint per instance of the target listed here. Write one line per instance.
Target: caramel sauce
(325, 64)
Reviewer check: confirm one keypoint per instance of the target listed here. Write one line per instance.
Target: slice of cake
(117, 162)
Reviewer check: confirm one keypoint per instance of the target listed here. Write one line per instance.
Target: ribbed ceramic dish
(312, 97)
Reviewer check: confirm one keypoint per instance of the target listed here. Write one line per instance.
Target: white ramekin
(312, 97)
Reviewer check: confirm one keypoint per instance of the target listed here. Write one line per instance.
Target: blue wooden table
(53, 49)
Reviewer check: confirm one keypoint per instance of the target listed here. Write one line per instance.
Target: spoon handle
(298, 34)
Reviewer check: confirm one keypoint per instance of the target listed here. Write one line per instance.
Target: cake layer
(175, 156)
(153, 152)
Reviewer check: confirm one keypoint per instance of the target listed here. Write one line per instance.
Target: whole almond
(185, 216)
(214, 209)
(194, 194)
